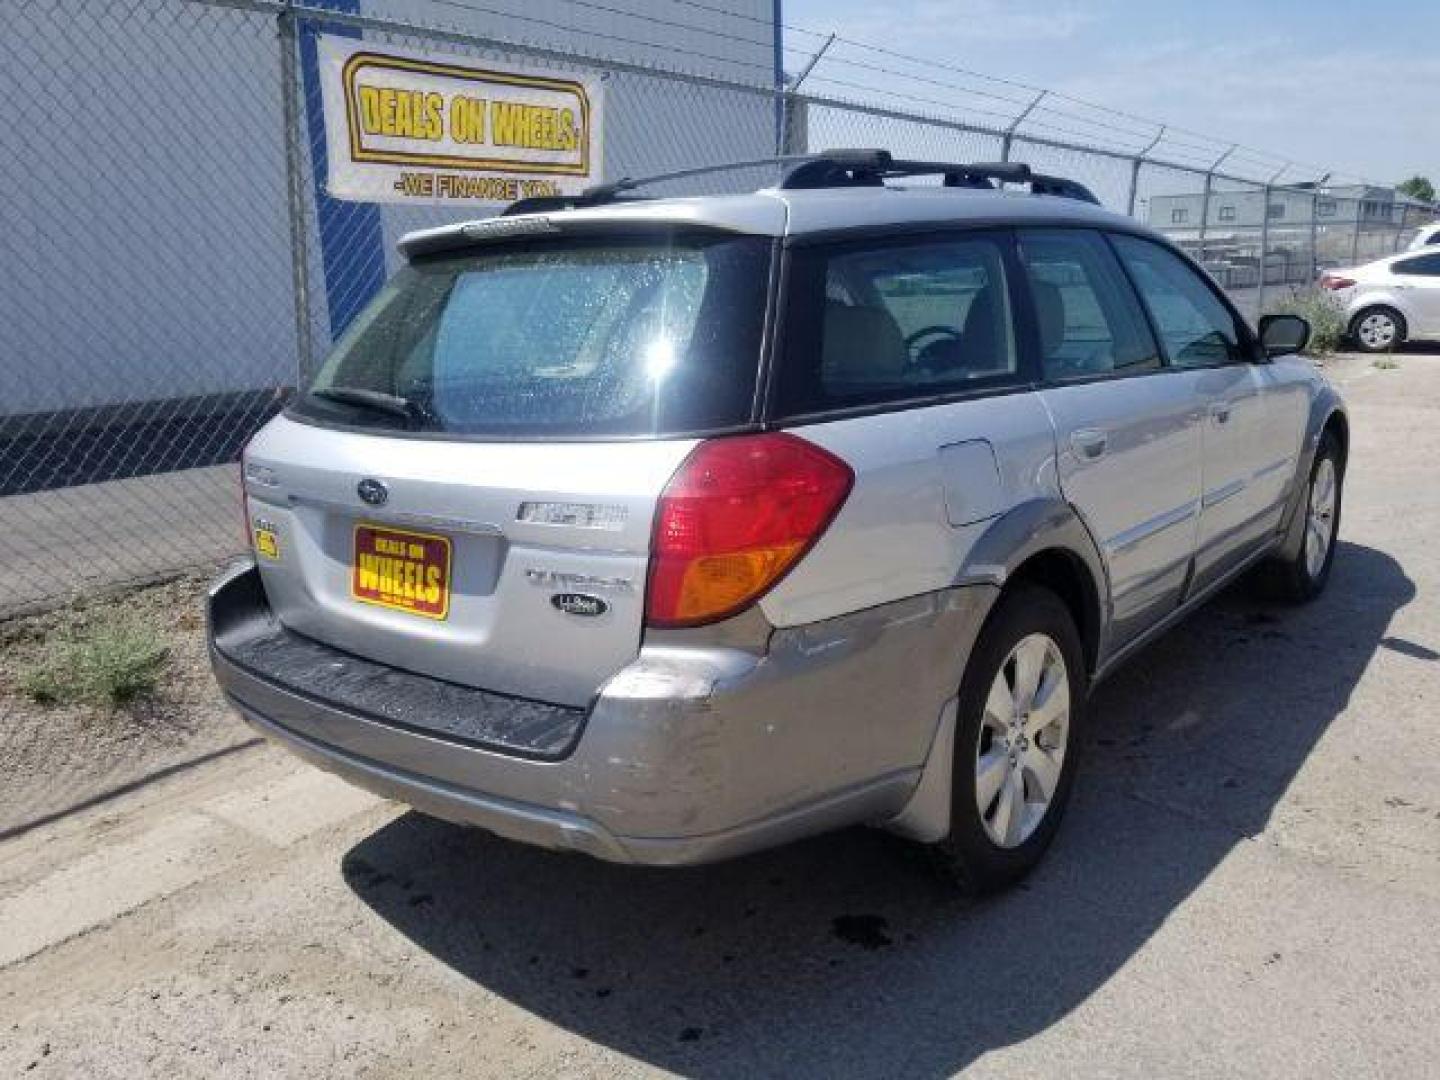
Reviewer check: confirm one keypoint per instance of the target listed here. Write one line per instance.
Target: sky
(1349, 86)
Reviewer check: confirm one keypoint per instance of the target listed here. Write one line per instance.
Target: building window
(1275, 211)
(1227, 213)
(1325, 207)
(1179, 216)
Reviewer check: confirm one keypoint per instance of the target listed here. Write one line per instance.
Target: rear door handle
(1089, 444)
(1221, 412)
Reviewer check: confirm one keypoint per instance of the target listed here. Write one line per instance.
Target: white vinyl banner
(408, 127)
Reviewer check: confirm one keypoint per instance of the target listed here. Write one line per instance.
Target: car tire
(1030, 637)
(1378, 329)
(1303, 577)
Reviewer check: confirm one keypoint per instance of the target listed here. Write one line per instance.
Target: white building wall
(142, 228)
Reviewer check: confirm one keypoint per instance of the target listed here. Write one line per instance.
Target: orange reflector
(721, 582)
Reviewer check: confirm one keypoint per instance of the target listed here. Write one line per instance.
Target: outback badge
(574, 603)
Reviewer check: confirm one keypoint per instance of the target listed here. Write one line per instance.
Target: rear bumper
(689, 754)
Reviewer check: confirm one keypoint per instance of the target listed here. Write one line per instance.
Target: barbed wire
(1070, 122)
(1213, 144)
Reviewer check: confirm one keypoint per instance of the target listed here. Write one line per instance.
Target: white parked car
(1428, 236)
(1391, 300)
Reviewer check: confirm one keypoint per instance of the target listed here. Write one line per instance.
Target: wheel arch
(1045, 542)
(1327, 414)
(1064, 573)
(1338, 424)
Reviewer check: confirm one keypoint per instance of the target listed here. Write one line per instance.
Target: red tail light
(1335, 281)
(735, 517)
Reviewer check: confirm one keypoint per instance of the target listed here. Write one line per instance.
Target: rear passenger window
(1088, 320)
(1196, 329)
(889, 322)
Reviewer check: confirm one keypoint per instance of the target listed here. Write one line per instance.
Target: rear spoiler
(452, 237)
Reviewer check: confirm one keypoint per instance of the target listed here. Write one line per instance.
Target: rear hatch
(468, 488)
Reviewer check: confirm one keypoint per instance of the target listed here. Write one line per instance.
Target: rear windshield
(644, 336)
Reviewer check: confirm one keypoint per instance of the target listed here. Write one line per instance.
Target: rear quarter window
(890, 321)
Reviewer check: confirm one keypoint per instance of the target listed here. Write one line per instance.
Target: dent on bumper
(689, 754)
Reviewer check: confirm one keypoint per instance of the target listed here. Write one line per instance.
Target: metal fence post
(1205, 212)
(1008, 139)
(291, 106)
(793, 111)
(1134, 186)
(782, 120)
(1355, 241)
(1315, 226)
(1265, 239)
(1135, 165)
(1264, 250)
(797, 126)
(1205, 199)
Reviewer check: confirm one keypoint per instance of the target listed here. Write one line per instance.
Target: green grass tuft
(1322, 311)
(113, 661)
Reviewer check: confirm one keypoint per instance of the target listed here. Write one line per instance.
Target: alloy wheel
(1024, 733)
(1320, 518)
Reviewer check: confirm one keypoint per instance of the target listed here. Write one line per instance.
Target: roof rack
(871, 168)
(827, 169)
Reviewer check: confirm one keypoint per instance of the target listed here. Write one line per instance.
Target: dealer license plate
(402, 570)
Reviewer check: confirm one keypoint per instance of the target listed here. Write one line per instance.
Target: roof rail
(827, 169)
(602, 194)
(871, 168)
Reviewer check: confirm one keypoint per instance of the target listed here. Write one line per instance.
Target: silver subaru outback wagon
(665, 530)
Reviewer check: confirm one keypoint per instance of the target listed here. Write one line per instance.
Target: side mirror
(1283, 334)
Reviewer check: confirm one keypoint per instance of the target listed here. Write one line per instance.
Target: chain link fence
(175, 267)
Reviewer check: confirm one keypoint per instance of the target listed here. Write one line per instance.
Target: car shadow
(844, 955)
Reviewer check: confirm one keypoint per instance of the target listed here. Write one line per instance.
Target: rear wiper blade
(377, 400)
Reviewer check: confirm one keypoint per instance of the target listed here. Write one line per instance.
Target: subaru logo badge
(373, 492)
(574, 603)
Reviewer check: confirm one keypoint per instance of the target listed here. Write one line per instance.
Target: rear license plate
(402, 570)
